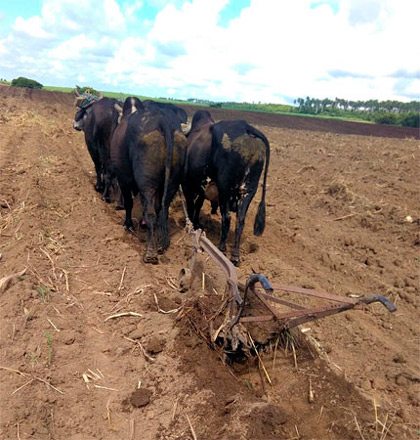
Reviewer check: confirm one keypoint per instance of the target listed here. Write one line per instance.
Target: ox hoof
(119, 208)
(129, 226)
(99, 188)
(106, 199)
(184, 280)
(143, 224)
(150, 259)
(162, 247)
(235, 260)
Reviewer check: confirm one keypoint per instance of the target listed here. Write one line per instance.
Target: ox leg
(120, 204)
(243, 205)
(194, 204)
(128, 205)
(162, 232)
(108, 178)
(163, 237)
(224, 211)
(94, 154)
(198, 204)
(108, 175)
(189, 199)
(99, 187)
(150, 256)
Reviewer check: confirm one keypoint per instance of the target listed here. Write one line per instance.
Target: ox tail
(163, 229)
(259, 223)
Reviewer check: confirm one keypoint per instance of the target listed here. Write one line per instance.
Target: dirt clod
(155, 344)
(141, 397)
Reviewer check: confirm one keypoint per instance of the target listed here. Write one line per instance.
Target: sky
(270, 51)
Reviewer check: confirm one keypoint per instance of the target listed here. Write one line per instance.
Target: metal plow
(257, 302)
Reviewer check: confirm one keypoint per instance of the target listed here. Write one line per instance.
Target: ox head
(80, 118)
(130, 106)
(83, 102)
(182, 115)
(201, 118)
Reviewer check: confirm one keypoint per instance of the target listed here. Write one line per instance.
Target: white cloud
(335, 48)
(114, 17)
(72, 47)
(131, 8)
(127, 58)
(3, 49)
(73, 16)
(32, 26)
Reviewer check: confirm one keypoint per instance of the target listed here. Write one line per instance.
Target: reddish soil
(343, 217)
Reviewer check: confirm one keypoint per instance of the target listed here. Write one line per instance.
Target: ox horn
(100, 96)
(186, 128)
(78, 100)
(76, 92)
(119, 110)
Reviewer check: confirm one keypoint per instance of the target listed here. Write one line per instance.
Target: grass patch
(44, 292)
(49, 348)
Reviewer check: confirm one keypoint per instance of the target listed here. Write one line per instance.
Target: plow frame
(298, 315)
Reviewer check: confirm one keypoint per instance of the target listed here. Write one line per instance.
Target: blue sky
(222, 50)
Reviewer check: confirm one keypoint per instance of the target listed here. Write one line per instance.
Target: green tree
(387, 118)
(410, 119)
(26, 82)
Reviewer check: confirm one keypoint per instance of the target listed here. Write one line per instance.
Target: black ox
(196, 186)
(98, 121)
(225, 162)
(148, 152)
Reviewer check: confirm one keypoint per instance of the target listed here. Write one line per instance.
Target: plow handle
(250, 282)
(379, 298)
(257, 277)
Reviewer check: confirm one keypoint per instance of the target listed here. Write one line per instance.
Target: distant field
(263, 108)
(116, 95)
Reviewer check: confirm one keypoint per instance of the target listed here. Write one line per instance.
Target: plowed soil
(87, 351)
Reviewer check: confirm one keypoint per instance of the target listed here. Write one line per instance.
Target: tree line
(382, 112)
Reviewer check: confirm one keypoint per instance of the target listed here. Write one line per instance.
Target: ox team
(142, 145)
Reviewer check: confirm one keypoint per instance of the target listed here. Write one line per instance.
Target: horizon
(264, 51)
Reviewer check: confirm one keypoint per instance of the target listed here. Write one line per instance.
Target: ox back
(198, 159)
(168, 108)
(148, 154)
(98, 121)
(238, 154)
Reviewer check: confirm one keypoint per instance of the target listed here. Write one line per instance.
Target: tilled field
(86, 350)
